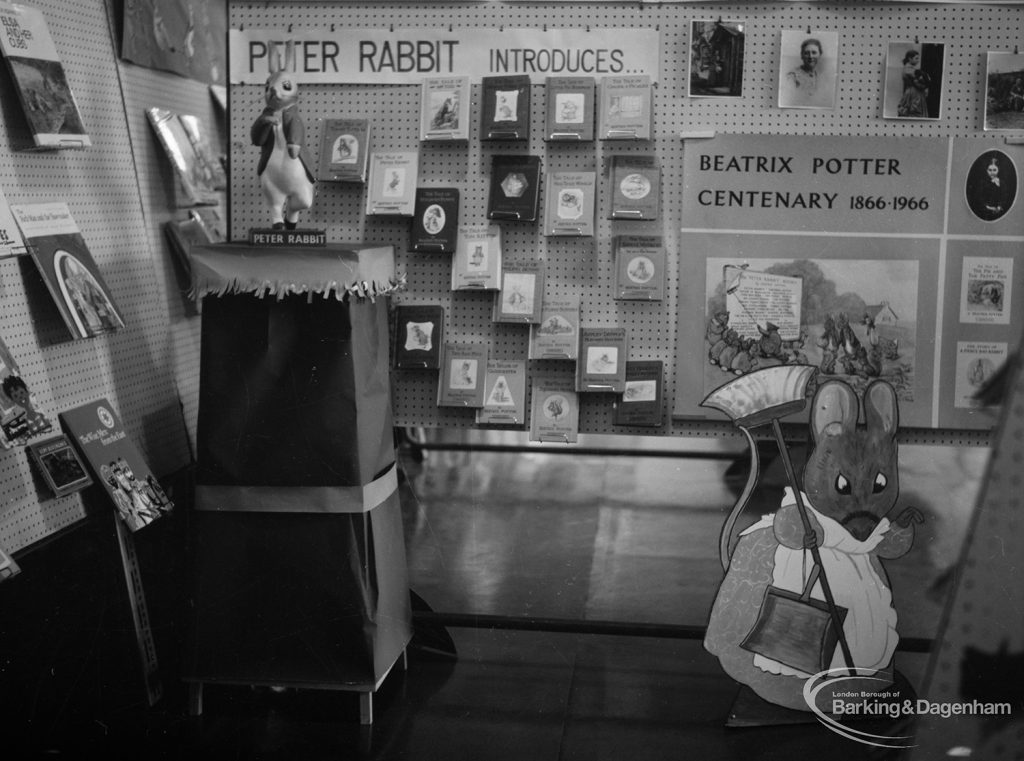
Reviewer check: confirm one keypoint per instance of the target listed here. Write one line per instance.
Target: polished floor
(575, 580)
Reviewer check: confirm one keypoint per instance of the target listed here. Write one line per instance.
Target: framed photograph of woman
(913, 80)
(1004, 91)
(808, 67)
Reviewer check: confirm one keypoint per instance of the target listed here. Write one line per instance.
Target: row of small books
(497, 388)
(514, 195)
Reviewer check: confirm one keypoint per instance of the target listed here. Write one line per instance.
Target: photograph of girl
(913, 80)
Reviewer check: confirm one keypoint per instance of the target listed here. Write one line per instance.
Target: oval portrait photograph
(991, 185)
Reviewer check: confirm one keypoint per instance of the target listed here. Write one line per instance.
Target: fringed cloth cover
(336, 269)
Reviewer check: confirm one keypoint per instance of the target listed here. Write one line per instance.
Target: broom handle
(808, 529)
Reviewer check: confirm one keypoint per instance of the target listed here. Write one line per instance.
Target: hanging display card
(435, 221)
(115, 463)
(477, 261)
(624, 108)
(514, 188)
(557, 336)
(639, 268)
(392, 185)
(642, 402)
(504, 393)
(602, 361)
(419, 335)
(636, 187)
(570, 109)
(59, 465)
(344, 150)
(462, 376)
(505, 113)
(39, 79)
(444, 109)
(554, 410)
(522, 292)
(569, 203)
(67, 267)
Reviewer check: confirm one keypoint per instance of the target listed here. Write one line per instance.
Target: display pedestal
(296, 544)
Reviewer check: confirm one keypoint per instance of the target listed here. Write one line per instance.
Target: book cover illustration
(514, 188)
(59, 465)
(505, 113)
(195, 177)
(115, 463)
(392, 184)
(522, 292)
(602, 361)
(11, 242)
(199, 136)
(19, 418)
(624, 107)
(636, 187)
(569, 203)
(557, 335)
(419, 336)
(642, 401)
(462, 376)
(68, 269)
(504, 393)
(640, 263)
(444, 109)
(554, 411)
(570, 109)
(344, 150)
(182, 234)
(477, 261)
(435, 221)
(40, 80)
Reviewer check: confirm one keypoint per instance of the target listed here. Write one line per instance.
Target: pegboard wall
(585, 266)
(118, 191)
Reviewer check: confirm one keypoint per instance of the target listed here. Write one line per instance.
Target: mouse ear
(834, 409)
(881, 408)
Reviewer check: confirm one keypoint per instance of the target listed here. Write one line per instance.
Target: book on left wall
(20, 420)
(68, 269)
(59, 465)
(197, 176)
(39, 79)
(11, 242)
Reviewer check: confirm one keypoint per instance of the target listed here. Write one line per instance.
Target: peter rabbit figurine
(283, 168)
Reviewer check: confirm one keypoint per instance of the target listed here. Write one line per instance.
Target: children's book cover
(462, 376)
(522, 292)
(392, 184)
(11, 242)
(557, 335)
(39, 79)
(115, 463)
(640, 263)
(504, 393)
(435, 221)
(59, 465)
(344, 150)
(555, 410)
(569, 203)
(19, 418)
(71, 276)
(642, 402)
(624, 107)
(196, 178)
(515, 188)
(636, 187)
(602, 362)
(419, 336)
(505, 112)
(477, 261)
(570, 109)
(444, 109)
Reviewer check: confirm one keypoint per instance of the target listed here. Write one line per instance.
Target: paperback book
(642, 400)
(39, 79)
(555, 411)
(435, 221)
(344, 150)
(514, 189)
(570, 109)
(522, 292)
(59, 465)
(504, 393)
(115, 463)
(640, 263)
(198, 135)
(392, 185)
(569, 203)
(444, 109)
(195, 177)
(624, 107)
(462, 376)
(505, 113)
(602, 361)
(477, 261)
(419, 336)
(636, 187)
(71, 276)
(11, 242)
(557, 335)
(182, 234)
(20, 420)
